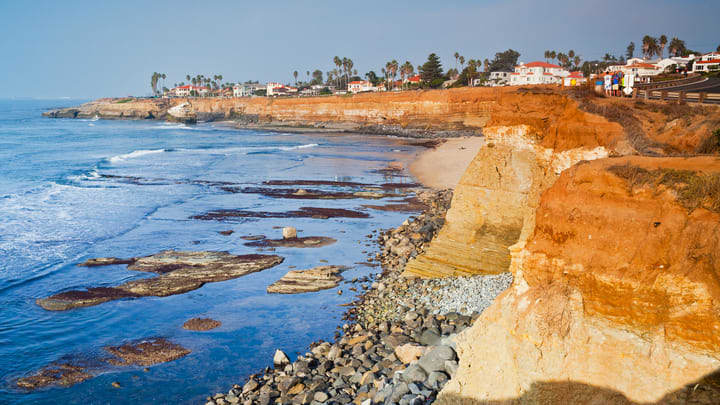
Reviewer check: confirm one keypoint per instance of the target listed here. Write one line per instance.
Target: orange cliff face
(616, 293)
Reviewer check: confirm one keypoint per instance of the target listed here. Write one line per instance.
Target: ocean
(71, 190)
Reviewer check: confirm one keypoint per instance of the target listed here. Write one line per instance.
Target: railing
(679, 96)
(671, 83)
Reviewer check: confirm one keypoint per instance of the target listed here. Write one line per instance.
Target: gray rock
(414, 388)
(414, 373)
(434, 360)
(251, 385)
(320, 396)
(398, 392)
(334, 352)
(451, 367)
(429, 338)
(437, 379)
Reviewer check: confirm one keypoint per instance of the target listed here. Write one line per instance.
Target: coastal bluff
(615, 297)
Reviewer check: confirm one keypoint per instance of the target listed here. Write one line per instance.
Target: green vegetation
(431, 71)
(504, 61)
(124, 100)
(694, 190)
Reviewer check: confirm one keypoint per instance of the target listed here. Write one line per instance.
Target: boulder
(407, 353)
(289, 232)
(280, 359)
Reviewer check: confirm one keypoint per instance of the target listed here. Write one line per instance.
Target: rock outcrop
(178, 272)
(494, 204)
(616, 295)
(300, 281)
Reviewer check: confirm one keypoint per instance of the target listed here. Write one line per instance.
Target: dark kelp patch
(305, 242)
(146, 352)
(201, 324)
(411, 204)
(63, 375)
(303, 212)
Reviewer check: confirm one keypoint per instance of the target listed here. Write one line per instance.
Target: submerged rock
(201, 324)
(146, 352)
(289, 232)
(305, 242)
(300, 281)
(60, 374)
(180, 272)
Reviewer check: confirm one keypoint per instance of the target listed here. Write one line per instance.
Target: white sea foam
(135, 154)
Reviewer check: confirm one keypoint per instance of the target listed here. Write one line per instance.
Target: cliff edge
(615, 296)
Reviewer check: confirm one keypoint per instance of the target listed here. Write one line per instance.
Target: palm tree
(407, 70)
(295, 75)
(547, 56)
(457, 56)
(677, 47)
(650, 46)
(187, 77)
(662, 41)
(486, 65)
(462, 62)
(307, 73)
(576, 61)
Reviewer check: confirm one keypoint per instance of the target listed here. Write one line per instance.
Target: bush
(711, 144)
(694, 190)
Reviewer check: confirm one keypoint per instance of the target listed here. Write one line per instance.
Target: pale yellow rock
(408, 352)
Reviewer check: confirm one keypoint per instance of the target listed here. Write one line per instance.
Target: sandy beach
(442, 167)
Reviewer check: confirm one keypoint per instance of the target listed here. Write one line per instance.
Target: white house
(242, 90)
(498, 78)
(537, 73)
(186, 91)
(360, 86)
(710, 62)
(277, 89)
(637, 67)
(574, 79)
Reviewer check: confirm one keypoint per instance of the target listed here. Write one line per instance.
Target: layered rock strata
(301, 281)
(615, 296)
(494, 203)
(178, 272)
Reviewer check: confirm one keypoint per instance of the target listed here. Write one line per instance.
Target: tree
(662, 41)
(406, 70)
(576, 61)
(373, 78)
(486, 65)
(630, 50)
(317, 76)
(553, 55)
(718, 48)
(547, 56)
(432, 71)
(457, 56)
(650, 46)
(462, 62)
(504, 61)
(676, 47)
(391, 68)
(295, 75)
(471, 72)
(153, 82)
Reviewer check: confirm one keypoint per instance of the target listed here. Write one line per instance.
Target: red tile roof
(708, 61)
(540, 64)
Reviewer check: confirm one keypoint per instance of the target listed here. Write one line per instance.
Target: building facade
(360, 86)
(710, 62)
(537, 73)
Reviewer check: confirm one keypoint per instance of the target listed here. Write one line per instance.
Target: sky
(89, 49)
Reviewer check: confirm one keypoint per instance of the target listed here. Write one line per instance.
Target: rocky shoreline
(397, 345)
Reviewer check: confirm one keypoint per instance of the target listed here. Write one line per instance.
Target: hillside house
(710, 62)
(360, 86)
(537, 73)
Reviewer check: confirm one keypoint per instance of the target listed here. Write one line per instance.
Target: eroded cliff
(616, 292)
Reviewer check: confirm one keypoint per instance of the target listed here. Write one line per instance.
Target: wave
(135, 154)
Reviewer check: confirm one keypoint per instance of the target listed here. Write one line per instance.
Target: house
(360, 86)
(224, 92)
(710, 62)
(574, 79)
(497, 79)
(242, 90)
(637, 69)
(189, 90)
(537, 73)
(413, 79)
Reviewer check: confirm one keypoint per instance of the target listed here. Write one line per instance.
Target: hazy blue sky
(110, 48)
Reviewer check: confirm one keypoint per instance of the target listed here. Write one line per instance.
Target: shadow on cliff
(703, 391)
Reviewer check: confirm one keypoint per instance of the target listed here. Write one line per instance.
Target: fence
(679, 96)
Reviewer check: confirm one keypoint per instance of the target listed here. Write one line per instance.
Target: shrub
(694, 190)
(711, 144)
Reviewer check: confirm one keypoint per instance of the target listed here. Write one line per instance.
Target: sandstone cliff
(616, 295)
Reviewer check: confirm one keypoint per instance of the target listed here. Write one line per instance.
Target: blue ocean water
(76, 189)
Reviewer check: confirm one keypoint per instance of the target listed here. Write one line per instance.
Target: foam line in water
(135, 154)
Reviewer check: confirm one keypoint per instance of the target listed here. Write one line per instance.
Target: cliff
(616, 294)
